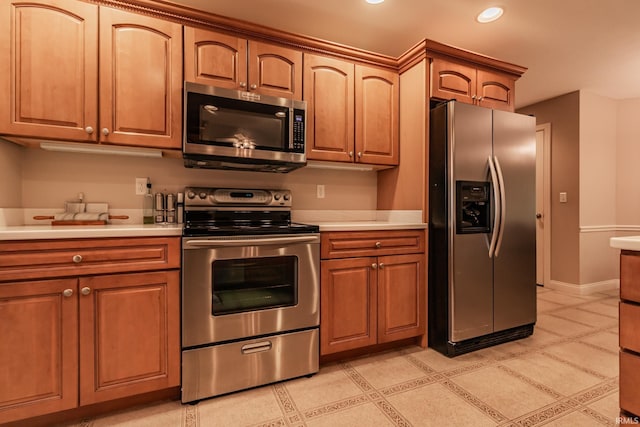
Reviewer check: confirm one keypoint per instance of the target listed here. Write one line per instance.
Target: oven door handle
(250, 242)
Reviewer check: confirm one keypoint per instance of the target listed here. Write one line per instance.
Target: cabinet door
(377, 97)
(401, 297)
(39, 351)
(329, 92)
(215, 59)
(495, 90)
(275, 70)
(49, 70)
(140, 80)
(451, 80)
(348, 304)
(129, 334)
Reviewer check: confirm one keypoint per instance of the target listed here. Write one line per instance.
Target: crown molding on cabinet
(193, 17)
(166, 9)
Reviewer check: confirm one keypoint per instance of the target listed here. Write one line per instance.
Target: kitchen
(48, 179)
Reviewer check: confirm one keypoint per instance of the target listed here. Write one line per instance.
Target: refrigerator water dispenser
(472, 207)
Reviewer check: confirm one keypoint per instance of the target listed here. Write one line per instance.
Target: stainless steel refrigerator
(482, 287)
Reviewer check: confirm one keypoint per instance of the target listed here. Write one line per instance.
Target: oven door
(236, 287)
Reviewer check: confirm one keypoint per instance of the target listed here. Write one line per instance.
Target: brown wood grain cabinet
(352, 111)
(86, 338)
(368, 296)
(471, 85)
(629, 318)
(80, 72)
(231, 62)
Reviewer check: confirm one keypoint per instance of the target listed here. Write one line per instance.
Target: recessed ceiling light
(374, 1)
(490, 14)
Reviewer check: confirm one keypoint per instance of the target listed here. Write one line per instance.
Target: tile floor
(565, 374)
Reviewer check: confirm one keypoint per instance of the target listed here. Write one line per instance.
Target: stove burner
(217, 212)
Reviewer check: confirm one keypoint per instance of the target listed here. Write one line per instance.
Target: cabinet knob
(538, 215)
(374, 265)
(481, 98)
(359, 153)
(89, 130)
(243, 85)
(77, 259)
(253, 87)
(105, 131)
(350, 153)
(381, 265)
(67, 292)
(378, 245)
(473, 97)
(85, 291)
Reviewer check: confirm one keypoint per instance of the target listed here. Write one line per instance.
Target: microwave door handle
(251, 242)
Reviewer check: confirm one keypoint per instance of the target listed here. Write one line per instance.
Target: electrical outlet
(320, 191)
(141, 186)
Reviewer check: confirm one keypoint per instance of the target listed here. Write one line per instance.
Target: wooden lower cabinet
(77, 341)
(348, 304)
(129, 335)
(629, 338)
(373, 299)
(39, 351)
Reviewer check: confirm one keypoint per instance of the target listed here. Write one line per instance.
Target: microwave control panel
(298, 131)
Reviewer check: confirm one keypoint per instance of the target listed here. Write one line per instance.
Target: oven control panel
(199, 196)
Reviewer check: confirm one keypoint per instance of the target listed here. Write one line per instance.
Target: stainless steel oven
(250, 299)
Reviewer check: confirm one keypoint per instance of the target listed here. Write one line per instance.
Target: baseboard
(584, 289)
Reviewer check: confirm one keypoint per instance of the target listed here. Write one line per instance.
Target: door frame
(545, 128)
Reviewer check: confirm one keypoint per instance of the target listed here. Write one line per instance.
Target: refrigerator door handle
(498, 204)
(503, 209)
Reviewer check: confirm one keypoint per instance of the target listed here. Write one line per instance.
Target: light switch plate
(563, 197)
(320, 191)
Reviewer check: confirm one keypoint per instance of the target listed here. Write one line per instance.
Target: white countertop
(369, 225)
(631, 243)
(36, 232)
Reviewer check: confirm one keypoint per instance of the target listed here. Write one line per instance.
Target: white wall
(598, 156)
(51, 178)
(628, 164)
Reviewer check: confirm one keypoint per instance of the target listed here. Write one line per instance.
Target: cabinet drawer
(630, 276)
(21, 260)
(347, 244)
(629, 382)
(629, 321)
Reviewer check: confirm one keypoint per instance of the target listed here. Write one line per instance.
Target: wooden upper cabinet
(221, 60)
(140, 80)
(275, 70)
(49, 71)
(377, 115)
(471, 85)
(39, 351)
(56, 50)
(450, 80)
(352, 111)
(495, 90)
(330, 95)
(214, 59)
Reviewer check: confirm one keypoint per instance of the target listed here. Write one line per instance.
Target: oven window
(247, 284)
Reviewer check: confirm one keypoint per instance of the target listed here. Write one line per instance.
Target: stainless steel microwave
(239, 130)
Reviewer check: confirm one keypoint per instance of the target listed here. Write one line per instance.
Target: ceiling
(591, 45)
